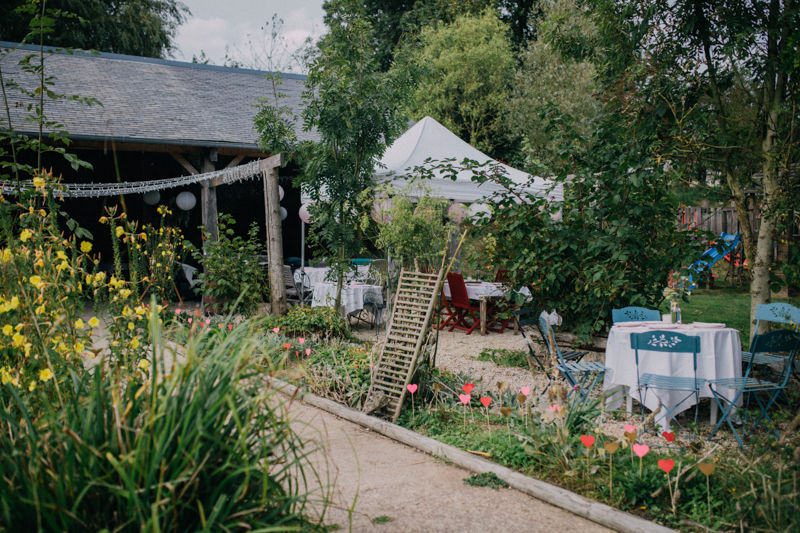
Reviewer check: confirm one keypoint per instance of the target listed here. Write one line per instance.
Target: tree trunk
(339, 283)
(277, 285)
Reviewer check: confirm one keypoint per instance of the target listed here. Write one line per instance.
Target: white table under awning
(317, 275)
(483, 291)
(352, 296)
(720, 357)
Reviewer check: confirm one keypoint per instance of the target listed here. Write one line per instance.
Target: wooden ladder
(414, 303)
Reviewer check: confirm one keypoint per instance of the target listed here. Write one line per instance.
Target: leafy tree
(355, 108)
(136, 27)
(715, 83)
(469, 68)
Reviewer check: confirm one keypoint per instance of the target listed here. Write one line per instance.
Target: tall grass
(199, 445)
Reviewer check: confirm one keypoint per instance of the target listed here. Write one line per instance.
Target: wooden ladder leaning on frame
(415, 300)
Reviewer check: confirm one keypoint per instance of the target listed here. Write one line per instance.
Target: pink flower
(301, 340)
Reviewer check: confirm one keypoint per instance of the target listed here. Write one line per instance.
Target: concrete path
(416, 491)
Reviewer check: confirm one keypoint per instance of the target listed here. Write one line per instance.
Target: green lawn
(730, 305)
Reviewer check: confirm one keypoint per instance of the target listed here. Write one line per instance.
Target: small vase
(675, 313)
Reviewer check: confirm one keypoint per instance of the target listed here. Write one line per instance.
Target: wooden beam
(208, 201)
(272, 206)
(184, 163)
(105, 146)
(236, 160)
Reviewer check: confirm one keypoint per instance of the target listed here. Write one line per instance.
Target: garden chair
(522, 320)
(671, 342)
(460, 304)
(292, 296)
(501, 276)
(781, 313)
(576, 372)
(373, 302)
(783, 340)
(302, 287)
(635, 314)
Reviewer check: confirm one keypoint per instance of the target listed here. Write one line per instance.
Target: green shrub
(305, 320)
(204, 446)
(504, 357)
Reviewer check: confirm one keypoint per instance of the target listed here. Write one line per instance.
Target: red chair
(501, 276)
(461, 306)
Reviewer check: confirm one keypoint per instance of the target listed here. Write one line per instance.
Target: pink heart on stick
(525, 390)
(486, 401)
(666, 465)
(465, 398)
(467, 388)
(276, 330)
(641, 449)
(587, 440)
(412, 388)
(630, 429)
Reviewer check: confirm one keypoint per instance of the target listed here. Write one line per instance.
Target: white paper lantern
(480, 211)
(305, 216)
(458, 212)
(284, 213)
(280, 192)
(186, 200)
(152, 197)
(382, 211)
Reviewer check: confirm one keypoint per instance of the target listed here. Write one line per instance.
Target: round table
(352, 296)
(720, 357)
(317, 275)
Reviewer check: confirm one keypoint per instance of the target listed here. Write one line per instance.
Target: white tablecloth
(352, 296)
(317, 275)
(720, 357)
(483, 290)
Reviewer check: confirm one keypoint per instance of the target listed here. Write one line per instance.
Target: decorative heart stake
(287, 345)
(696, 447)
(521, 398)
(308, 351)
(230, 327)
(437, 387)
(666, 465)
(669, 435)
(525, 390)
(640, 450)
(301, 340)
(611, 447)
(630, 429)
(412, 388)
(467, 388)
(465, 399)
(506, 412)
(587, 440)
(707, 469)
(500, 385)
(275, 330)
(631, 436)
(486, 401)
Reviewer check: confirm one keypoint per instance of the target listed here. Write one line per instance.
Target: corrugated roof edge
(166, 62)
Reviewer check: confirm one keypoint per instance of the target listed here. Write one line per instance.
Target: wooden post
(208, 201)
(272, 206)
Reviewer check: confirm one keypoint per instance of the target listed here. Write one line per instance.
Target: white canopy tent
(429, 139)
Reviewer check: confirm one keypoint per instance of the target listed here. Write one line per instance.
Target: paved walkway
(419, 493)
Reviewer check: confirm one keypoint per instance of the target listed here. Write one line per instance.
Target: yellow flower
(119, 231)
(62, 266)
(79, 347)
(135, 342)
(40, 310)
(14, 303)
(39, 263)
(79, 324)
(6, 255)
(61, 255)
(25, 235)
(42, 212)
(126, 311)
(143, 236)
(8, 330)
(36, 281)
(38, 182)
(45, 374)
(93, 322)
(18, 339)
(5, 375)
(125, 292)
(103, 220)
(32, 386)
(99, 277)
(144, 365)
(131, 326)
(86, 247)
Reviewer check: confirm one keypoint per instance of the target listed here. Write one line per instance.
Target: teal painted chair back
(665, 341)
(779, 341)
(634, 314)
(781, 313)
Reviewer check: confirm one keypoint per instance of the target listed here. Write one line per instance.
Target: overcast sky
(217, 24)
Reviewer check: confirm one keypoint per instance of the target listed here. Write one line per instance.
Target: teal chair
(780, 313)
(634, 314)
(577, 373)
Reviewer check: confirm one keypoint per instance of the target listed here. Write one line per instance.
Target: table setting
(352, 296)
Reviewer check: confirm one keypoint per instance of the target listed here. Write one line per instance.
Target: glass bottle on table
(675, 313)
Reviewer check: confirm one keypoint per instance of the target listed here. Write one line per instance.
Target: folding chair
(576, 372)
(373, 301)
(302, 286)
(532, 357)
(783, 340)
(461, 306)
(634, 314)
(781, 313)
(671, 342)
(292, 295)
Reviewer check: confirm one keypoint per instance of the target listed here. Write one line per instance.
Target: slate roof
(152, 100)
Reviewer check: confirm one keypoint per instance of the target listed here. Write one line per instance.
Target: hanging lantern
(305, 216)
(186, 200)
(382, 211)
(284, 213)
(480, 211)
(458, 212)
(280, 192)
(152, 197)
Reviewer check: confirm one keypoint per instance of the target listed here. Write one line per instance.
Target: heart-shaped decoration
(630, 429)
(287, 345)
(587, 440)
(308, 351)
(521, 398)
(500, 385)
(641, 449)
(301, 340)
(669, 435)
(465, 398)
(695, 446)
(611, 447)
(630, 436)
(437, 387)
(525, 390)
(412, 388)
(485, 401)
(467, 388)
(666, 465)
(707, 468)
(275, 330)
(505, 411)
